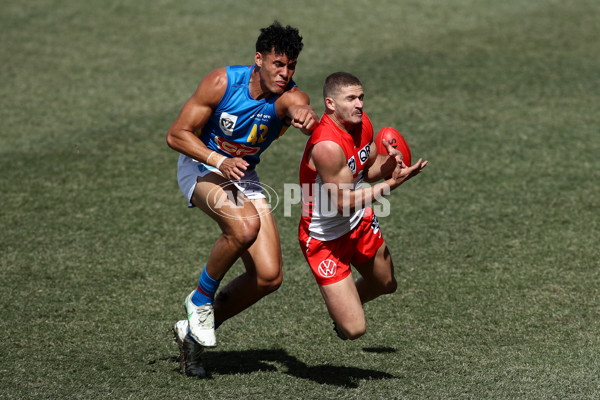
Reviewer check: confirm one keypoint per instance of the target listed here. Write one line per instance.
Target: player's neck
(349, 128)
(256, 87)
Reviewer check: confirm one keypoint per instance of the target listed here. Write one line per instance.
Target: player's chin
(357, 118)
(279, 88)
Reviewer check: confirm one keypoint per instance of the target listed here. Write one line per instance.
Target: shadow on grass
(379, 350)
(273, 360)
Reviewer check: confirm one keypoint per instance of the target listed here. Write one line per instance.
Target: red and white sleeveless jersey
(320, 217)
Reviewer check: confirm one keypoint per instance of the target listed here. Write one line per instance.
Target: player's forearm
(185, 142)
(381, 167)
(348, 200)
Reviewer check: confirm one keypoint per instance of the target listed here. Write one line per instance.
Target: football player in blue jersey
(233, 116)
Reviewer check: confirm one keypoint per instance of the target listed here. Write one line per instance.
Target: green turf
(496, 245)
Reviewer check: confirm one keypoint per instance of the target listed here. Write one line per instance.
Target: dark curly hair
(285, 41)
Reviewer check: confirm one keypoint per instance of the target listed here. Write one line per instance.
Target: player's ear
(258, 59)
(329, 104)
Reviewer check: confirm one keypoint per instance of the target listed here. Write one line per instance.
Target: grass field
(496, 245)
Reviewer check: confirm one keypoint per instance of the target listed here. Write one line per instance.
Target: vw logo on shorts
(226, 199)
(327, 268)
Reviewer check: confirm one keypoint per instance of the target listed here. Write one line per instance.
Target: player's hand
(393, 152)
(403, 172)
(233, 168)
(305, 119)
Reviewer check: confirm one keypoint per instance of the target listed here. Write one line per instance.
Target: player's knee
(355, 331)
(390, 286)
(267, 287)
(244, 232)
(387, 286)
(270, 283)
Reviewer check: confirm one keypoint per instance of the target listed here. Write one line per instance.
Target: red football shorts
(330, 260)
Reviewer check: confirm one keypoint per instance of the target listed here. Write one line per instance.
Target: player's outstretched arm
(293, 106)
(330, 163)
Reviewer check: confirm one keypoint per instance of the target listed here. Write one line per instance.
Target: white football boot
(201, 322)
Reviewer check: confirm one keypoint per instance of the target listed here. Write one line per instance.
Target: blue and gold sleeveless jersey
(242, 126)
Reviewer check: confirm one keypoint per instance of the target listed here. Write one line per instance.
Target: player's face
(348, 105)
(276, 71)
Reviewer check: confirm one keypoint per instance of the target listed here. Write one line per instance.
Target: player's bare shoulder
(212, 87)
(328, 155)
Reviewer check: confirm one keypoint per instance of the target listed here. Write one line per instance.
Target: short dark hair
(285, 41)
(337, 80)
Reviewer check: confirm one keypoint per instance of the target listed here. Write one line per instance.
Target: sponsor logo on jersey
(227, 123)
(352, 165)
(261, 116)
(363, 154)
(235, 149)
(327, 268)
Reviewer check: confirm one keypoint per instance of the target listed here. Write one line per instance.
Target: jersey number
(254, 135)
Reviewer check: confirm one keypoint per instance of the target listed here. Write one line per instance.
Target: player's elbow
(176, 139)
(171, 141)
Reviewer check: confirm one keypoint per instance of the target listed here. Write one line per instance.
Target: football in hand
(395, 139)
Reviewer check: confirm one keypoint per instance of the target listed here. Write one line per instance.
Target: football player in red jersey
(338, 157)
